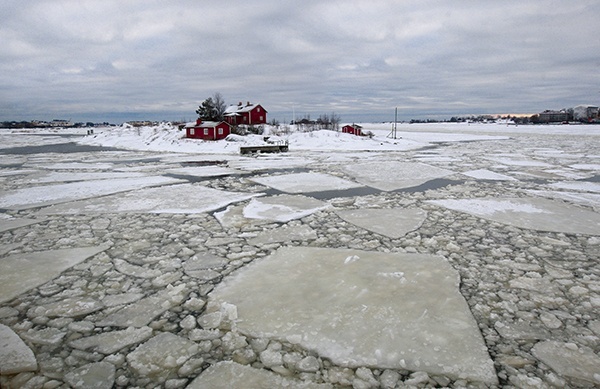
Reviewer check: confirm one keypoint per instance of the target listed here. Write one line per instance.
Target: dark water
(595, 178)
(60, 148)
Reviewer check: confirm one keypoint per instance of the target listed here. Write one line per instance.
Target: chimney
(248, 104)
(240, 104)
(198, 121)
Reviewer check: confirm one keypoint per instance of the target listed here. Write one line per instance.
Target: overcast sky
(121, 60)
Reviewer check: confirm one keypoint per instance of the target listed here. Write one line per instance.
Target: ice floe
(37, 196)
(531, 213)
(393, 223)
(569, 360)
(226, 375)
(484, 174)
(182, 198)
(392, 175)
(306, 182)
(283, 208)
(21, 272)
(15, 355)
(361, 311)
(9, 223)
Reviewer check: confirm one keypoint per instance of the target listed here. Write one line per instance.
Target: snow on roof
(232, 109)
(210, 124)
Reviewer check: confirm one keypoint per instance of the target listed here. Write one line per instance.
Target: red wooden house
(207, 130)
(352, 129)
(249, 114)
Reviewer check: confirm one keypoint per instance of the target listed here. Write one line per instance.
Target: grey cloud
(359, 57)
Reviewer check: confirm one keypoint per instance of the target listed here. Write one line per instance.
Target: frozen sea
(450, 255)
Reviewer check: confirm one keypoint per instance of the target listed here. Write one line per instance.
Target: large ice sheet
(306, 182)
(484, 174)
(283, 208)
(7, 224)
(393, 223)
(361, 308)
(15, 355)
(203, 171)
(59, 193)
(81, 176)
(226, 375)
(589, 199)
(269, 162)
(182, 198)
(533, 213)
(21, 272)
(392, 175)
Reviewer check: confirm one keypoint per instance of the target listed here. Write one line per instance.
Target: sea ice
(161, 355)
(182, 198)
(588, 199)
(15, 356)
(306, 182)
(268, 163)
(38, 196)
(283, 208)
(567, 359)
(110, 342)
(203, 171)
(393, 223)
(484, 174)
(382, 310)
(80, 176)
(392, 175)
(98, 375)
(534, 213)
(233, 217)
(7, 224)
(227, 374)
(21, 272)
(141, 313)
(283, 234)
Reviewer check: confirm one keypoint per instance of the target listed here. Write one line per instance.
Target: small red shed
(207, 130)
(352, 129)
(249, 114)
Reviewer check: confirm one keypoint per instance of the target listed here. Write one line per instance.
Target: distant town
(588, 114)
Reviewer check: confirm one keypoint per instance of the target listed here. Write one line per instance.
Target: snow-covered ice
(15, 355)
(484, 174)
(362, 311)
(226, 375)
(531, 213)
(306, 182)
(392, 175)
(21, 272)
(182, 198)
(393, 223)
(283, 208)
(38, 196)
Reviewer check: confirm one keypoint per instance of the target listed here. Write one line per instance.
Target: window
(206, 131)
(220, 131)
(192, 132)
(257, 109)
(261, 118)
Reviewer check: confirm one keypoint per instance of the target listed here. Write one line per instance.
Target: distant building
(585, 113)
(554, 116)
(60, 123)
(354, 129)
(207, 130)
(249, 114)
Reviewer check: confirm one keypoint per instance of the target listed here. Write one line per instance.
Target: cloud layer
(121, 60)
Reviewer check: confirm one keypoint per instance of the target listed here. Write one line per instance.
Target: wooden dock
(271, 148)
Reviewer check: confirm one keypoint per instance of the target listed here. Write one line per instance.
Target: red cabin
(207, 130)
(249, 114)
(352, 129)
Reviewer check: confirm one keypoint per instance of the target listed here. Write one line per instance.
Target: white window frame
(206, 131)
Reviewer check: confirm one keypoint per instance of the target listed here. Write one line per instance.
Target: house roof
(210, 124)
(232, 109)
